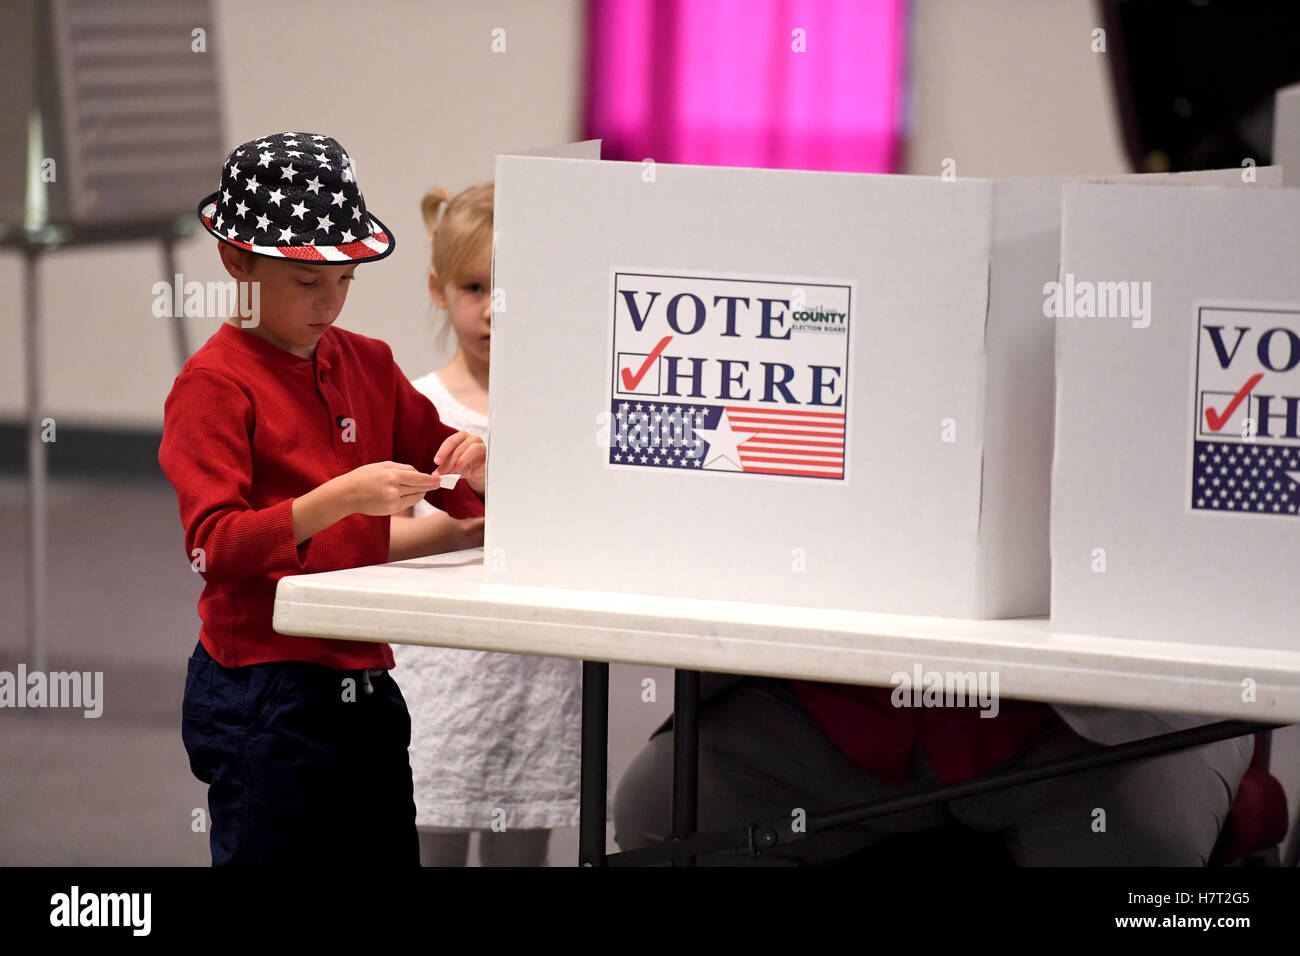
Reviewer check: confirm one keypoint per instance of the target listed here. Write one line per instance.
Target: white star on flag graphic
(299, 209)
(288, 172)
(313, 185)
(724, 452)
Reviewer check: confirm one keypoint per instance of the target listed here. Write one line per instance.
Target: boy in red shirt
(290, 443)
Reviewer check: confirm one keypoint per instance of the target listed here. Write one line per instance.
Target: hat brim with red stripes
(377, 245)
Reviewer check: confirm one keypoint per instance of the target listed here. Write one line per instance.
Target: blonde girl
(495, 738)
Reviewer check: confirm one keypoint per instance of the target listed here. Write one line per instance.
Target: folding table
(442, 600)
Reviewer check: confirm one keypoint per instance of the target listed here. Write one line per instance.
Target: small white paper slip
(448, 481)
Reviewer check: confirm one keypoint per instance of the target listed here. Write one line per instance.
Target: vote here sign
(1246, 444)
(729, 374)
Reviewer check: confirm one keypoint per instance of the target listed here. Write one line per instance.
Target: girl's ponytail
(433, 203)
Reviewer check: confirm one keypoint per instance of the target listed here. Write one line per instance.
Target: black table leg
(686, 755)
(595, 763)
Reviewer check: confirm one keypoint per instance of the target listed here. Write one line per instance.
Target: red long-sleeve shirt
(247, 428)
(959, 743)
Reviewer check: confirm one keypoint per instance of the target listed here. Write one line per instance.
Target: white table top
(442, 600)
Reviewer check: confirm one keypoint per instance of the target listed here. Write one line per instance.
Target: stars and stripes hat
(294, 196)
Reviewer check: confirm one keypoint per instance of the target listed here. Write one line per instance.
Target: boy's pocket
(267, 685)
(197, 701)
(197, 715)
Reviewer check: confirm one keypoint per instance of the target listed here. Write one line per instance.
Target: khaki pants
(762, 756)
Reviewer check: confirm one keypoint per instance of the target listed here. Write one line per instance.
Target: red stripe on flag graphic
(790, 442)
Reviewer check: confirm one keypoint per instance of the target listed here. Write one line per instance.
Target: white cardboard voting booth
(1176, 479)
(816, 389)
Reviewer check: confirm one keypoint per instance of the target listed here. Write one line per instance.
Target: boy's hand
(385, 487)
(465, 455)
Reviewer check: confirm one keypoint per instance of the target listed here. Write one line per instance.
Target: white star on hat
(313, 184)
(225, 195)
(234, 172)
(338, 199)
(264, 159)
(293, 152)
(252, 185)
(263, 144)
(263, 223)
(324, 224)
(288, 172)
(356, 213)
(348, 237)
(286, 235)
(275, 196)
(323, 160)
(299, 209)
(241, 209)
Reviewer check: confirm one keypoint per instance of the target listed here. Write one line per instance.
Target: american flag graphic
(790, 442)
(1249, 477)
(737, 438)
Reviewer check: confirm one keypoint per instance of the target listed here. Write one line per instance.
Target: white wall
(1012, 88)
(415, 94)
(1004, 87)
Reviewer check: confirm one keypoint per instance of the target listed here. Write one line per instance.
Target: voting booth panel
(1176, 479)
(818, 389)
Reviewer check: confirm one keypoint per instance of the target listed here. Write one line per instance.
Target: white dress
(489, 730)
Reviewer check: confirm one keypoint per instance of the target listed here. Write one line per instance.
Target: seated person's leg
(761, 756)
(1163, 811)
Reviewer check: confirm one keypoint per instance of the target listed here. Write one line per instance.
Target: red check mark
(630, 381)
(1216, 420)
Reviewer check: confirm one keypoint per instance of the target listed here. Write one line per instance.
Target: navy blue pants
(298, 772)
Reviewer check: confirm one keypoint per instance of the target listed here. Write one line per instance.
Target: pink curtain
(724, 83)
